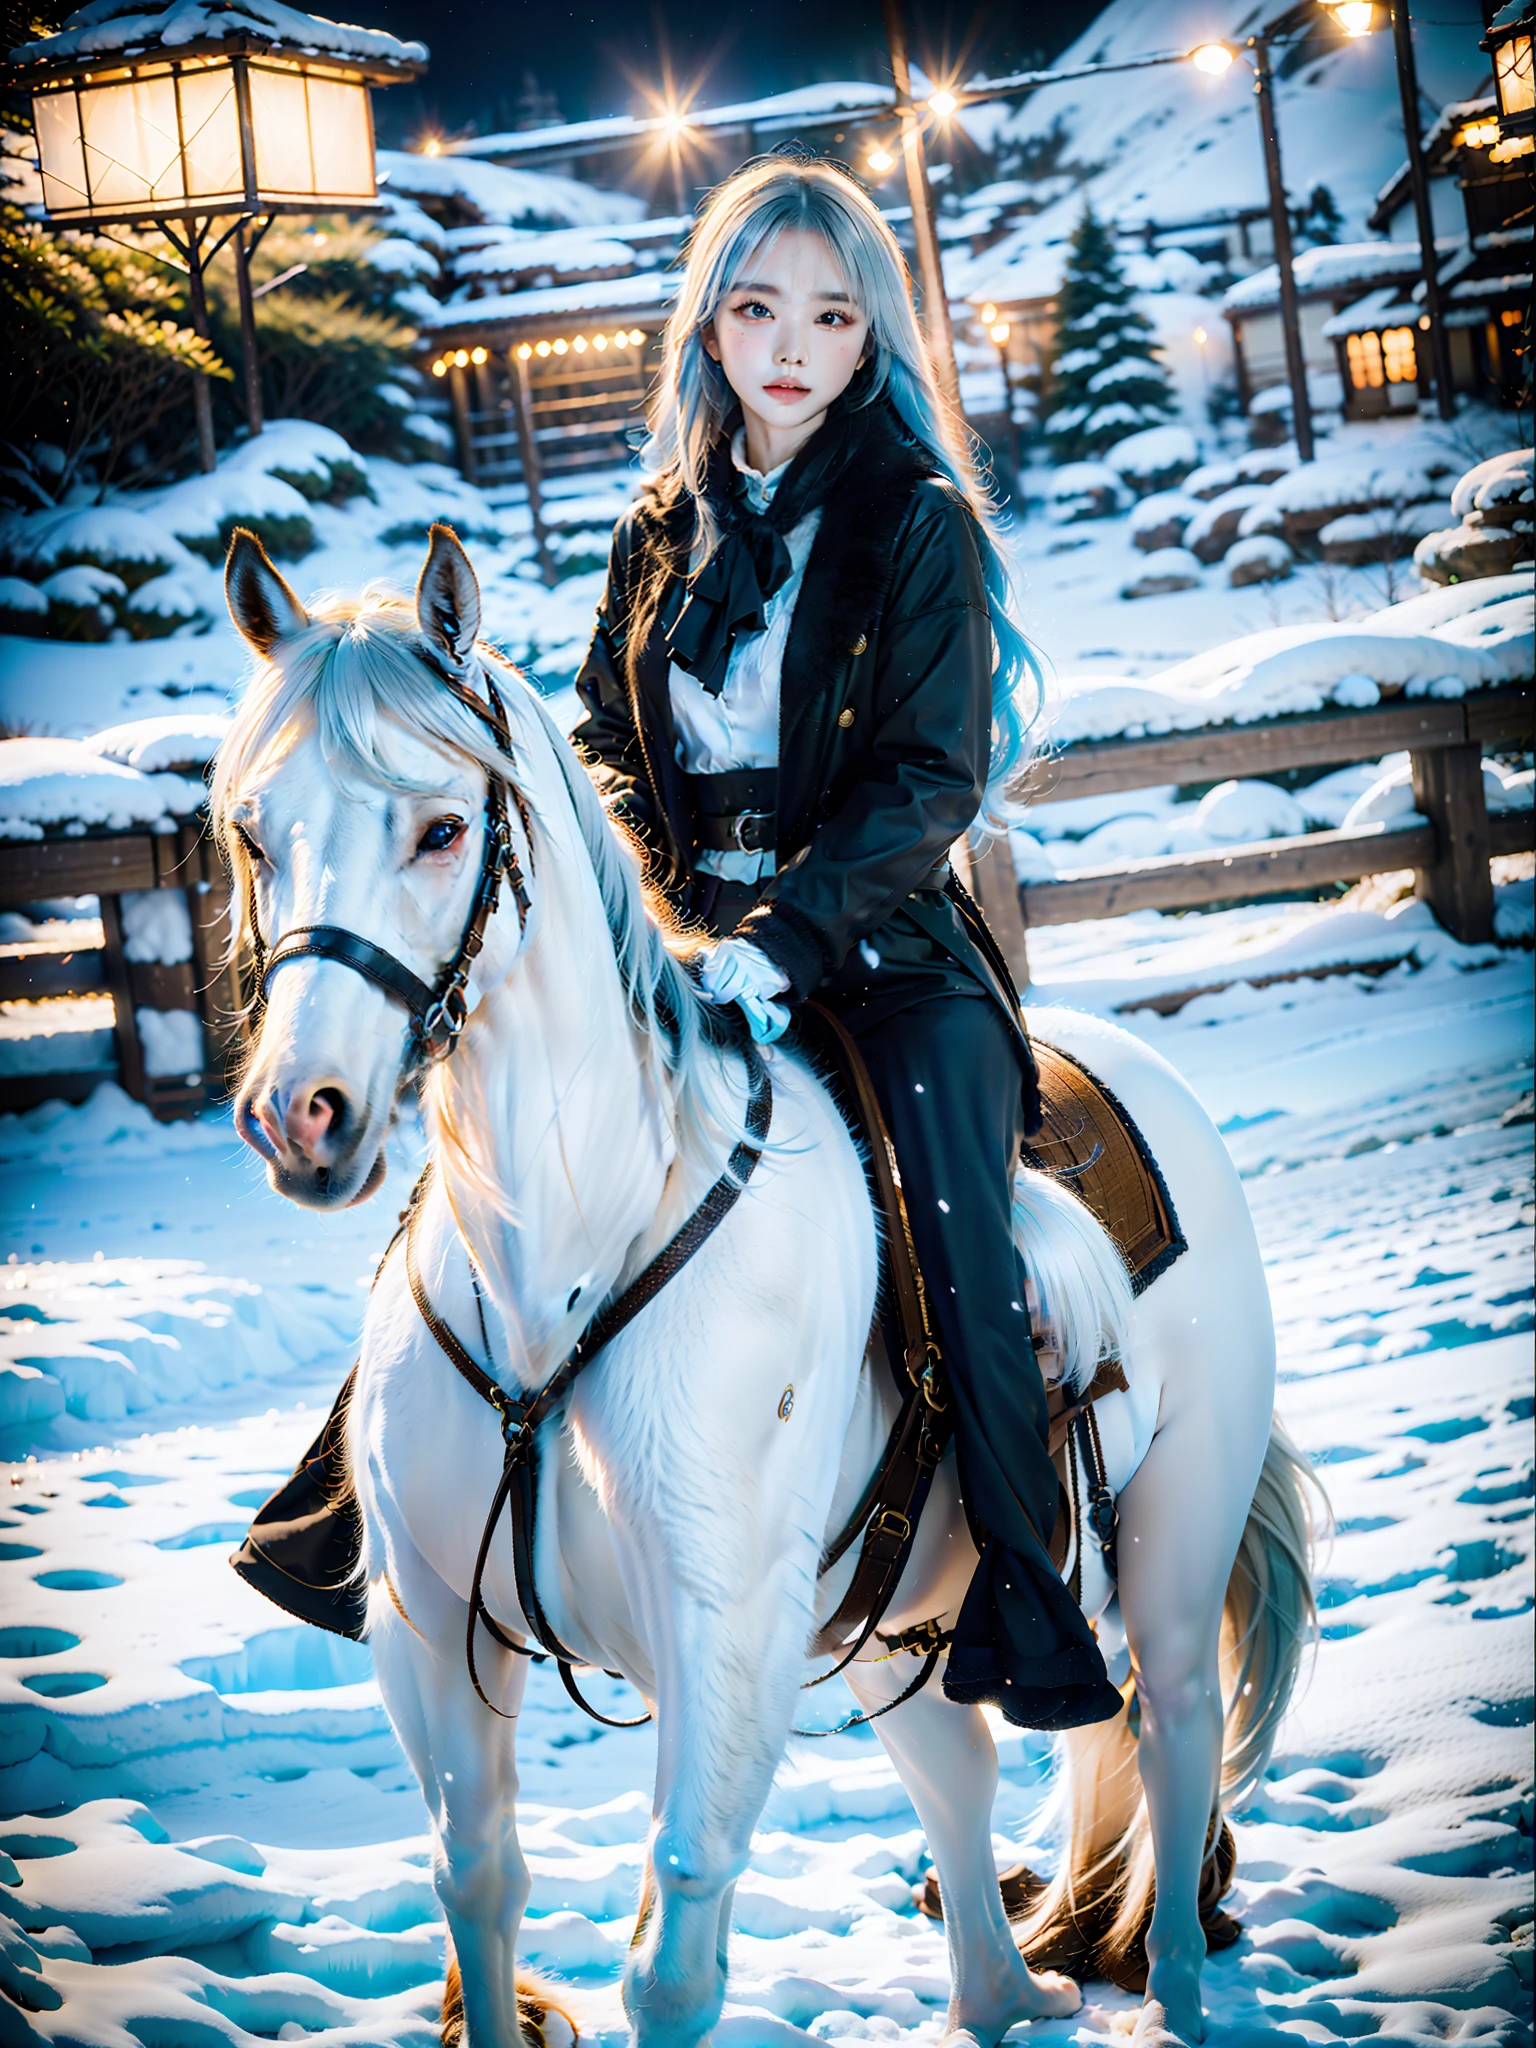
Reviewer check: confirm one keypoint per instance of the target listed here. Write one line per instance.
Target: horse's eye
(440, 835)
(252, 850)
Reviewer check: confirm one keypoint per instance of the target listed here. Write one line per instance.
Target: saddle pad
(1089, 1140)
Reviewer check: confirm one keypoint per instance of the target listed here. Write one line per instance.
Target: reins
(523, 1414)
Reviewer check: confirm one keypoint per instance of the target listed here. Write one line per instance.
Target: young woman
(802, 689)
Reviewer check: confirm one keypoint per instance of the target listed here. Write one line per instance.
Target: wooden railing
(110, 866)
(1449, 853)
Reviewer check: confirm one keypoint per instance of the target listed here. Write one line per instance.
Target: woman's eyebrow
(749, 284)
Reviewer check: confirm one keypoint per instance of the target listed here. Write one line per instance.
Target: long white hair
(693, 402)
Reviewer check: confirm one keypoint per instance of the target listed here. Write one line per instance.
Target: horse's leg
(947, 1761)
(1181, 1518)
(463, 1756)
(725, 1694)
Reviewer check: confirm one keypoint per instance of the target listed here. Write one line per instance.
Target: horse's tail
(1085, 1297)
(1096, 1912)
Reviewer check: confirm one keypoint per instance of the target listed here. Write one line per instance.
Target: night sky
(488, 59)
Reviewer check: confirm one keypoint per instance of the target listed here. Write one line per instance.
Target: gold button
(845, 717)
(860, 644)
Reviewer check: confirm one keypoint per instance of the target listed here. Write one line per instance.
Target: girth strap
(523, 1414)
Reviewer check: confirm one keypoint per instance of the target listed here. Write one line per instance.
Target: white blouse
(740, 727)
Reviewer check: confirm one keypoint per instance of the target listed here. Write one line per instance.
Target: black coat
(885, 720)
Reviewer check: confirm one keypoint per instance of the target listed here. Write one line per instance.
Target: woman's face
(789, 338)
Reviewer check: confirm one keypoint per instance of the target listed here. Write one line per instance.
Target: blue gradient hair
(693, 401)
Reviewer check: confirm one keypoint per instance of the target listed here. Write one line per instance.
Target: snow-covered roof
(780, 110)
(563, 252)
(48, 784)
(1325, 272)
(647, 291)
(505, 197)
(121, 28)
(1384, 307)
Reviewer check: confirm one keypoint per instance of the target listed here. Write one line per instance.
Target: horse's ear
(448, 599)
(260, 602)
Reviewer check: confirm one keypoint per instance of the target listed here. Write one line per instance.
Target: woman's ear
(711, 340)
(260, 602)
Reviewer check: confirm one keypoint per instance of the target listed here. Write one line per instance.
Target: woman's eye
(754, 309)
(440, 835)
(835, 317)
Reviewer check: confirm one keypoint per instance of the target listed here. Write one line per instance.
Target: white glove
(736, 972)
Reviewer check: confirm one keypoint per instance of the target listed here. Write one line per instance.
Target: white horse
(581, 1118)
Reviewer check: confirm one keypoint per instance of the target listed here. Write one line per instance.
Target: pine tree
(1108, 381)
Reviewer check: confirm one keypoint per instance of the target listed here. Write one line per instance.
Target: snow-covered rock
(1262, 558)
(1501, 489)
(1237, 811)
(1165, 570)
(183, 741)
(1214, 528)
(1388, 801)
(1084, 490)
(1154, 459)
(1160, 520)
(1359, 538)
(120, 538)
(47, 784)
(1462, 554)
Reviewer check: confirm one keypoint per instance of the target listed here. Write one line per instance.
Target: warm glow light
(1424, 322)
(1509, 317)
(675, 123)
(1212, 57)
(943, 103)
(988, 314)
(524, 351)
(439, 368)
(880, 160)
(541, 348)
(599, 341)
(636, 337)
(479, 355)
(560, 347)
(1512, 146)
(461, 357)
(999, 332)
(1479, 135)
(1355, 17)
(1201, 337)
(580, 344)
(431, 147)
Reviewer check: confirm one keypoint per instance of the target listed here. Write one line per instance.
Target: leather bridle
(438, 1013)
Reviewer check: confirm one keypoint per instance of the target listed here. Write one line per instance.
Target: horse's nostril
(328, 1107)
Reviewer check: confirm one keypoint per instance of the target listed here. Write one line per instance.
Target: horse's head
(353, 800)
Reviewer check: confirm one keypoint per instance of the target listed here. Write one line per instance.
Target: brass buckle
(892, 1522)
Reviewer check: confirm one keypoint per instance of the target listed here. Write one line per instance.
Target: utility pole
(1418, 182)
(1280, 221)
(941, 341)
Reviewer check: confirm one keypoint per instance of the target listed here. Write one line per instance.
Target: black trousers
(948, 1079)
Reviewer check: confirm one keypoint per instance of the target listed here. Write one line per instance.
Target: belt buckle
(743, 818)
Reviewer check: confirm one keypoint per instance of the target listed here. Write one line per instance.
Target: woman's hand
(736, 972)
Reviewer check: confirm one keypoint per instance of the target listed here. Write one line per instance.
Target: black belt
(737, 812)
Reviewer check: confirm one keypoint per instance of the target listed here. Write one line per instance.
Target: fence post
(130, 1054)
(996, 890)
(1448, 790)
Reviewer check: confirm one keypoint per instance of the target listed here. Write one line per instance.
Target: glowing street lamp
(1509, 43)
(880, 161)
(943, 104)
(178, 136)
(1213, 58)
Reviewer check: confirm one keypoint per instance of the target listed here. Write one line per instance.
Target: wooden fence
(1449, 853)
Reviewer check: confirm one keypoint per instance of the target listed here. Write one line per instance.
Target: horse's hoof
(1155, 2027)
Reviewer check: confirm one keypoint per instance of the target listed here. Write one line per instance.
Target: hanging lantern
(1509, 43)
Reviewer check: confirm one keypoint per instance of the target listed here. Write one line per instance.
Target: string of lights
(526, 351)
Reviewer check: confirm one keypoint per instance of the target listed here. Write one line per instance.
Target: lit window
(1509, 317)
(1513, 75)
(1364, 353)
(1402, 364)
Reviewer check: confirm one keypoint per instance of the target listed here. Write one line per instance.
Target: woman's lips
(787, 393)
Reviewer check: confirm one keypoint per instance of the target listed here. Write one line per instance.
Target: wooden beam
(130, 1054)
(1512, 832)
(28, 977)
(1214, 753)
(1453, 879)
(1271, 867)
(1502, 718)
(39, 868)
(993, 885)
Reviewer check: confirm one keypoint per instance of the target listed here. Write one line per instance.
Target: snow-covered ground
(222, 1842)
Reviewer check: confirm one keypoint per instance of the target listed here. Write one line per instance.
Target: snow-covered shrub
(1210, 480)
(1160, 521)
(180, 743)
(1390, 531)
(82, 602)
(314, 460)
(1233, 812)
(127, 544)
(162, 607)
(1213, 529)
(1155, 459)
(23, 607)
(1262, 558)
(205, 510)
(1164, 571)
(1083, 490)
